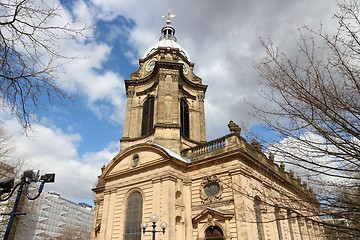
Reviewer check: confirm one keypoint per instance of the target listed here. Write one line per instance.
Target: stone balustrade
(211, 146)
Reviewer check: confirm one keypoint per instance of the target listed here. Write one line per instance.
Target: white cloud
(52, 150)
(307, 158)
(88, 77)
(222, 39)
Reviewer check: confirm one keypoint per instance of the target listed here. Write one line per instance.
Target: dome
(167, 43)
(167, 39)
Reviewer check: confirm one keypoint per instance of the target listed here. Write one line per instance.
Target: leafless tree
(30, 35)
(10, 165)
(316, 99)
(10, 161)
(74, 232)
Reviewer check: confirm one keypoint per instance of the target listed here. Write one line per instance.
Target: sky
(222, 39)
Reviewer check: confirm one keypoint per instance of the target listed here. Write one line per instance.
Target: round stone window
(212, 189)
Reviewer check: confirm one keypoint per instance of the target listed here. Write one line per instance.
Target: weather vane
(169, 17)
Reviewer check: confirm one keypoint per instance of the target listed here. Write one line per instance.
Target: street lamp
(7, 186)
(154, 218)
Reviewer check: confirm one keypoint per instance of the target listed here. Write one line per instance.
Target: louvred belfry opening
(184, 118)
(147, 117)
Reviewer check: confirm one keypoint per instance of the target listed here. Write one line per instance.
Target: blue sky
(221, 37)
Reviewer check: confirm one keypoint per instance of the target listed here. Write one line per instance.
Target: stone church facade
(220, 189)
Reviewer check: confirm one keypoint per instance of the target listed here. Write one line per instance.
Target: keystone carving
(130, 91)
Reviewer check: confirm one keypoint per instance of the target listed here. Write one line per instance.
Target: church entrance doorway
(214, 233)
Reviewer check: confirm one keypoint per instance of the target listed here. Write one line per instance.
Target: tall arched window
(184, 118)
(258, 218)
(133, 219)
(147, 116)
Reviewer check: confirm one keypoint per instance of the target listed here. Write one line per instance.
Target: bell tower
(165, 99)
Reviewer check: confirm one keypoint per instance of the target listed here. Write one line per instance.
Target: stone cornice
(167, 125)
(186, 93)
(164, 64)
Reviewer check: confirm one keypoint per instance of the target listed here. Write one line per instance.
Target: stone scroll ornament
(211, 189)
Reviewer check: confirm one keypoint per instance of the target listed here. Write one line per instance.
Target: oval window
(212, 189)
(135, 160)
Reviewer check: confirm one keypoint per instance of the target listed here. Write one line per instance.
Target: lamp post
(154, 218)
(7, 186)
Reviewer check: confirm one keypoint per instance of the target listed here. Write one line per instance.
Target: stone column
(128, 115)
(105, 213)
(95, 217)
(110, 216)
(157, 192)
(201, 119)
(160, 100)
(187, 205)
(241, 226)
(167, 208)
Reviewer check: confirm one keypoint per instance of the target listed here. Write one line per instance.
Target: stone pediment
(140, 156)
(211, 218)
(211, 215)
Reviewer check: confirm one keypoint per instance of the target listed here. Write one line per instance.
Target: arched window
(258, 218)
(133, 217)
(214, 233)
(184, 118)
(147, 123)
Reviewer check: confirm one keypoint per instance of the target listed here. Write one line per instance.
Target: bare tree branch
(30, 36)
(316, 99)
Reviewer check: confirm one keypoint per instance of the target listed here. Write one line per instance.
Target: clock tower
(165, 99)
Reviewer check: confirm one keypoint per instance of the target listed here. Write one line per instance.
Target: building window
(214, 233)
(135, 160)
(210, 189)
(133, 217)
(258, 218)
(147, 117)
(184, 119)
(278, 222)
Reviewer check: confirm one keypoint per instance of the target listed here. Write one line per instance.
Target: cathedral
(222, 189)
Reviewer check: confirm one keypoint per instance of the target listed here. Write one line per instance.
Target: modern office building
(53, 217)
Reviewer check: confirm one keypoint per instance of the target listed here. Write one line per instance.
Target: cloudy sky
(222, 39)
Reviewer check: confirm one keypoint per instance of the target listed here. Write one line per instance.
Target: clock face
(150, 65)
(185, 68)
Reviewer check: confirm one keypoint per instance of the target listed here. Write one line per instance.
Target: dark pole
(14, 213)
(153, 231)
(7, 186)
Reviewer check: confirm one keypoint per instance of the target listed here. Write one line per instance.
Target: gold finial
(169, 17)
